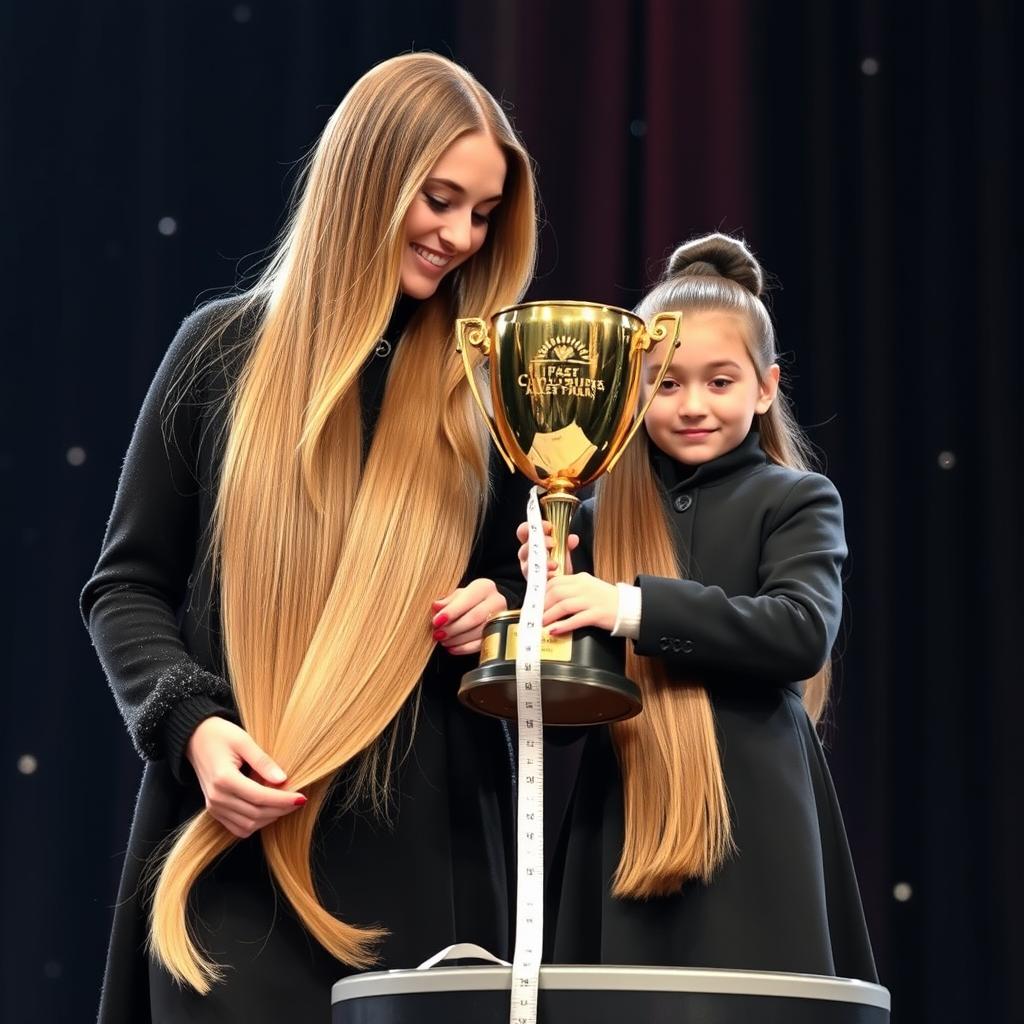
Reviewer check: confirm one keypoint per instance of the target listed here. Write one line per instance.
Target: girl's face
(706, 403)
(448, 219)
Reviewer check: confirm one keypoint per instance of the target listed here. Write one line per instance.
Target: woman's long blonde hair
(327, 568)
(677, 824)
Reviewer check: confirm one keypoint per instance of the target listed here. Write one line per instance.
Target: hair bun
(717, 255)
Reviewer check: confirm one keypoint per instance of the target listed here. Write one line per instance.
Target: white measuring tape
(530, 789)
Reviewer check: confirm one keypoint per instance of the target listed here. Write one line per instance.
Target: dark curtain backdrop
(871, 154)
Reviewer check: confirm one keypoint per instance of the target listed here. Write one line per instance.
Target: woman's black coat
(758, 612)
(436, 876)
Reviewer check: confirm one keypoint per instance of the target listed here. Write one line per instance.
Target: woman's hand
(523, 536)
(572, 602)
(217, 751)
(458, 619)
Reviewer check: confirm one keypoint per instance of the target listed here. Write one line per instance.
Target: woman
(302, 511)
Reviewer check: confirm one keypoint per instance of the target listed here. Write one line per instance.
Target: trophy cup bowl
(564, 383)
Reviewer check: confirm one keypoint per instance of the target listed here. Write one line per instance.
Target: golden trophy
(564, 387)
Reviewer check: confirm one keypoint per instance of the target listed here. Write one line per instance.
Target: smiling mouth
(695, 433)
(433, 258)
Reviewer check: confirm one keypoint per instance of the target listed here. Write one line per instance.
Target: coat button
(687, 647)
(682, 502)
(664, 643)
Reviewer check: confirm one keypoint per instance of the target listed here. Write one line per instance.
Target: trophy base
(582, 682)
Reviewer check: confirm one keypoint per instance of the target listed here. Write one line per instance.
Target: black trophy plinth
(582, 676)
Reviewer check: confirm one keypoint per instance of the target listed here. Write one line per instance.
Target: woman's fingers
(467, 601)
(233, 785)
(251, 809)
(467, 626)
(217, 746)
(243, 818)
(237, 824)
(218, 750)
(459, 623)
(243, 825)
(471, 647)
(223, 805)
(244, 815)
(258, 759)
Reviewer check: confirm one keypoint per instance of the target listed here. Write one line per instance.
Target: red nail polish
(436, 605)
(300, 800)
(440, 620)
(439, 634)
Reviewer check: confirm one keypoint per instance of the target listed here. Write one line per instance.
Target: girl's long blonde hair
(327, 568)
(677, 824)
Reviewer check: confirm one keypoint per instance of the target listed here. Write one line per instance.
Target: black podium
(608, 995)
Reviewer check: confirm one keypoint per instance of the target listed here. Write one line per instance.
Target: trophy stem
(559, 507)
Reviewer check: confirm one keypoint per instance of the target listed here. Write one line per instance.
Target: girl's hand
(458, 619)
(217, 751)
(523, 536)
(581, 600)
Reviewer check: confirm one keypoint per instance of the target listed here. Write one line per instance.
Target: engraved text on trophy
(561, 367)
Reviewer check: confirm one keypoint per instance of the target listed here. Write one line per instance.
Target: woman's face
(448, 219)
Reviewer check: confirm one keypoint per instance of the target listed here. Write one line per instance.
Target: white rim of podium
(610, 979)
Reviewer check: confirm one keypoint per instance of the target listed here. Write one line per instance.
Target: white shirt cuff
(627, 618)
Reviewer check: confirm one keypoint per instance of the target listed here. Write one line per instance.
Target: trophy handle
(660, 328)
(471, 330)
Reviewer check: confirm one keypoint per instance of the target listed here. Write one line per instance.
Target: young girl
(706, 831)
(295, 529)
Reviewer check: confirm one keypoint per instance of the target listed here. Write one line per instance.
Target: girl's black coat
(763, 548)
(437, 876)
